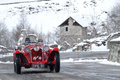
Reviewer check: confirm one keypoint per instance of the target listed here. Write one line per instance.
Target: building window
(66, 29)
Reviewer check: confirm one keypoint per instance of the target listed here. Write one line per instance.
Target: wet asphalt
(69, 70)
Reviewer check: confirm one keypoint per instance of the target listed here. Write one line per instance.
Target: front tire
(51, 67)
(18, 64)
(14, 66)
(57, 62)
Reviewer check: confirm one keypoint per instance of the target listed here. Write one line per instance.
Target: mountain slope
(46, 15)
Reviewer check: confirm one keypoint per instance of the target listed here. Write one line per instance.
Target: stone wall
(113, 53)
(112, 36)
(71, 39)
(72, 35)
(84, 32)
(72, 30)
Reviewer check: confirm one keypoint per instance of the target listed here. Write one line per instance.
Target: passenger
(40, 41)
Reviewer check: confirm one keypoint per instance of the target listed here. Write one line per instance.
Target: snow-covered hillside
(46, 15)
(14, 1)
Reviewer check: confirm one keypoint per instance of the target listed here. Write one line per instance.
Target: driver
(27, 41)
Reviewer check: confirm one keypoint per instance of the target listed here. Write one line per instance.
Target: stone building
(72, 31)
(114, 46)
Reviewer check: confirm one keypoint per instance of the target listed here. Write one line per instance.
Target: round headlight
(27, 49)
(36, 48)
(46, 48)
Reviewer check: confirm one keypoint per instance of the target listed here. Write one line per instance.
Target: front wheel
(14, 66)
(51, 67)
(18, 64)
(57, 62)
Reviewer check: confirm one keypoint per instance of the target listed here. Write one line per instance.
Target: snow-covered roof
(112, 34)
(81, 44)
(100, 39)
(116, 39)
(78, 19)
(81, 20)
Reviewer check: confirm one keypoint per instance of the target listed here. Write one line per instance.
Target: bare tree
(51, 37)
(16, 33)
(113, 21)
(23, 24)
(56, 35)
(3, 33)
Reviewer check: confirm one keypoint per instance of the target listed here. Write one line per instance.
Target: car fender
(52, 54)
(55, 49)
(17, 51)
(23, 59)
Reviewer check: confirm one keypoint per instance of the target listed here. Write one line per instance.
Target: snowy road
(90, 54)
(92, 70)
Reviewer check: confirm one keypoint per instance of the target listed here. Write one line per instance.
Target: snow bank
(8, 62)
(109, 62)
(94, 47)
(101, 61)
(99, 48)
(81, 60)
(6, 55)
(116, 39)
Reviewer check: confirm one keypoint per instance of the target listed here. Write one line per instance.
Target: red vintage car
(36, 55)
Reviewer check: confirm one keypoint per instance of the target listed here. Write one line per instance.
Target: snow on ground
(98, 40)
(116, 39)
(99, 48)
(6, 55)
(101, 61)
(8, 62)
(94, 46)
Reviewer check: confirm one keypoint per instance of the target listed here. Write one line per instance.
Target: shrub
(118, 51)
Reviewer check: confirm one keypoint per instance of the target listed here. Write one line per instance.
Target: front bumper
(38, 66)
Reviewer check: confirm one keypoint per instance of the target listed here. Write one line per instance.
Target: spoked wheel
(17, 64)
(57, 62)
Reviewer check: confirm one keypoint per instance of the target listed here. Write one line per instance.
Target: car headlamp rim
(46, 48)
(36, 48)
(27, 49)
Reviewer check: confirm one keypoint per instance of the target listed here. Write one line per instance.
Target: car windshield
(30, 40)
(31, 43)
(32, 37)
